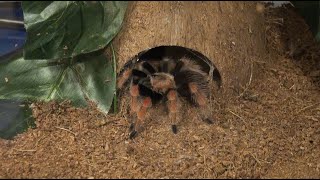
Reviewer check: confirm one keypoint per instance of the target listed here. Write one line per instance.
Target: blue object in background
(12, 36)
(15, 115)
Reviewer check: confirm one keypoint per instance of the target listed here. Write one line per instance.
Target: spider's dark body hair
(157, 78)
(182, 72)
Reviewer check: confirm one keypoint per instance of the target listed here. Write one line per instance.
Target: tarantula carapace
(164, 78)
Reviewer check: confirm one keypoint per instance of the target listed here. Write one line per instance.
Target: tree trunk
(230, 34)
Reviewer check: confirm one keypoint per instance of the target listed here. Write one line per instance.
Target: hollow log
(230, 34)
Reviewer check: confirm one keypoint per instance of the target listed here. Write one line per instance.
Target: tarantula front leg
(139, 108)
(123, 78)
(173, 107)
(134, 92)
(141, 116)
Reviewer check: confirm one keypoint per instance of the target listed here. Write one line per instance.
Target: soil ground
(269, 129)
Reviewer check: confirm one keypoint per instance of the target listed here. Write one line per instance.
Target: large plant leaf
(62, 29)
(15, 117)
(87, 77)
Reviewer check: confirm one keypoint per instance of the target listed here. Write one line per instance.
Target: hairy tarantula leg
(134, 104)
(173, 107)
(141, 115)
(131, 127)
(125, 76)
(201, 99)
(133, 134)
(141, 112)
(134, 92)
(198, 96)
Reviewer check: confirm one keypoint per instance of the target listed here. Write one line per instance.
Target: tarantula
(164, 78)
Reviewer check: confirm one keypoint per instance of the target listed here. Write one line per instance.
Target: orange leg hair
(122, 79)
(141, 114)
(173, 107)
(198, 96)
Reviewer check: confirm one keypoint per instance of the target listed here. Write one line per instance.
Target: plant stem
(115, 105)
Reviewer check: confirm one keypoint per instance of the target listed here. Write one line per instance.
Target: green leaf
(63, 29)
(15, 117)
(87, 77)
